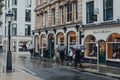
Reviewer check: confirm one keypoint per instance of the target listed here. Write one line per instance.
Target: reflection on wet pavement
(50, 71)
(65, 78)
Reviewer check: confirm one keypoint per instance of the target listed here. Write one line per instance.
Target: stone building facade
(58, 22)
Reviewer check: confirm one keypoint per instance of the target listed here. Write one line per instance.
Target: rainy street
(51, 71)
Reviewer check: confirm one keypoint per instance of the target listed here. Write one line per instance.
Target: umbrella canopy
(62, 48)
(78, 46)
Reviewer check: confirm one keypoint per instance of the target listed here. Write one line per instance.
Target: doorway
(102, 52)
(51, 46)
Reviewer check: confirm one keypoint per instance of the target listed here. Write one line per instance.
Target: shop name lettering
(103, 31)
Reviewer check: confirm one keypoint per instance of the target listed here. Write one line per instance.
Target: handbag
(73, 56)
(41, 55)
(71, 53)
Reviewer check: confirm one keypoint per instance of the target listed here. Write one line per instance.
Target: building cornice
(107, 23)
(46, 4)
(69, 25)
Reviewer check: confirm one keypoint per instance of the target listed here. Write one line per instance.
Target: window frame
(14, 11)
(14, 2)
(106, 10)
(28, 3)
(46, 19)
(76, 10)
(53, 16)
(27, 15)
(62, 14)
(27, 31)
(69, 12)
(90, 12)
(42, 20)
(14, 29)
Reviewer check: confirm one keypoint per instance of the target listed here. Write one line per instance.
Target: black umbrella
(78, 46)
(62, 48)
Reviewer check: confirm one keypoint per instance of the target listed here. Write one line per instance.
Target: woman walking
(62, 57)
(77, 58)
(70, 56)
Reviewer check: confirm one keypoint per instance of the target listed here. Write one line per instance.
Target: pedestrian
(31, 51)
(45, 54)
(24, 47)
(62, 56)
(70, 55)
(77, 58)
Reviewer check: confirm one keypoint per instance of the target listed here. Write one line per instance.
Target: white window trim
(66, 16)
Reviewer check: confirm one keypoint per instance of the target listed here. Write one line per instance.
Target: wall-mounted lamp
(46, 31)
(77, 27)
(64, 28)
(33, 33)
(54, 30)
(39, 32)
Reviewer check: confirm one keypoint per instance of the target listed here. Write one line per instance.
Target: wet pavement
(16, 74)
(49, 71)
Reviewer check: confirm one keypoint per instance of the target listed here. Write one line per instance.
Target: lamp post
(80, 33)
(54, 29)
(9, 16)
(77, 33)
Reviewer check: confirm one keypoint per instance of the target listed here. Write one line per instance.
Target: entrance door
(102, 52)
(51, 47)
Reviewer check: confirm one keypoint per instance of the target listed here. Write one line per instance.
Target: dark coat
(62, 54)
(31, 50)
(77, 55)
(45, 55)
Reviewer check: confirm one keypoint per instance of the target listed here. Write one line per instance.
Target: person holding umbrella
(61, 50)
(62, 57)
(78, 55)
(70, 54)
(77, 58)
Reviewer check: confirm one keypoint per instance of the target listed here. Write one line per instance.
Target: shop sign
(102, 31)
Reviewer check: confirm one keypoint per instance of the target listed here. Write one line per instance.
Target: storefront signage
(102, 31)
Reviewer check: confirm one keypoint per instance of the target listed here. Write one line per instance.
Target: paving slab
(18, 76)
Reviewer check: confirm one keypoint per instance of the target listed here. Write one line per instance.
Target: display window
(90, 46)
(43, 43)
(71, 39)
(37, 43)
(60, 39)
(113, 47)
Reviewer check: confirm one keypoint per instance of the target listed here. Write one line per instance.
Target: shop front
(113, 49)
(37, 44)
(102, 47)
(71, 39)
(43, 44)
(91, 49)
(60, 39)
